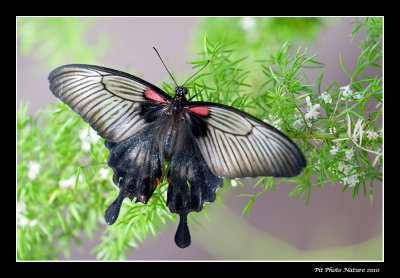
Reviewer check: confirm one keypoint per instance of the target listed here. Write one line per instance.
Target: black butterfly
(144, 126)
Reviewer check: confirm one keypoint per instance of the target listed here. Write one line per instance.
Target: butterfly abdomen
(169, 140)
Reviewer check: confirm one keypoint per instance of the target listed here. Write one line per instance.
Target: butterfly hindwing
(235, 144)
(191, 182)
(111, 101)
(138, 167)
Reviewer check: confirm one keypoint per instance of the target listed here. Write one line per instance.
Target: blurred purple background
(279, 227)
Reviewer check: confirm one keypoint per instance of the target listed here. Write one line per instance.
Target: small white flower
(85, 145)
(349, 154)
(248, 24)
(372, 134)
(21, 208)
(357, 95)
(351, 180)
(68, 183)
(234, 183)
(22, 220)
(326, 97)
(83, 134)
(312, 110)
(334, 150)
(332, 130)
(94, 137)
(308, 100)
(33, 167)
(346, 91)
(88, 136)
(298, 123)
(85, 140)
(33, 223)
(104, 173)
(343, 168)
(274, 120)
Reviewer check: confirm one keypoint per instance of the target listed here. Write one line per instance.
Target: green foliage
(59, 40)
(223, 80)
(340, 127)
(373, 29)
(253, 34)
(250, 37)
(60, 192)
(65, 185)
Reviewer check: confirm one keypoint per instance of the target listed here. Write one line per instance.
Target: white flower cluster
(344, 167)
(248, 24)
(372, 134)
(326, 97)
(351, 180)
(104, 173)
(68, 183)
(33, 169)
(311, 114)
(22, 220)
(88, 136)
(274, 121)
(348, 93)
(312, 110)
(334, 150)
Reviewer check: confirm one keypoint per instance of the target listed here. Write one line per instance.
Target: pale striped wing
(109, 100)
(237, 145)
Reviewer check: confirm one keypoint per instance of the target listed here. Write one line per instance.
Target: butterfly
(144, 127)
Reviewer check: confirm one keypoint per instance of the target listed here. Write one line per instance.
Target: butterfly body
(144, 127)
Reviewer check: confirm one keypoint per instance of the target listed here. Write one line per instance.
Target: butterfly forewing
(109, 100)
(236, 144)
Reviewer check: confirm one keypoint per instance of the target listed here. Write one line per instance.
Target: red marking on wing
(201, 110)
(149, 93)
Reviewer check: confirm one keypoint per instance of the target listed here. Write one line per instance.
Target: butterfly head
(180, 92)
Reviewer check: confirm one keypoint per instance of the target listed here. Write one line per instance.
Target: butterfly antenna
(196, 73)
(165, 66)
(195, 95)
